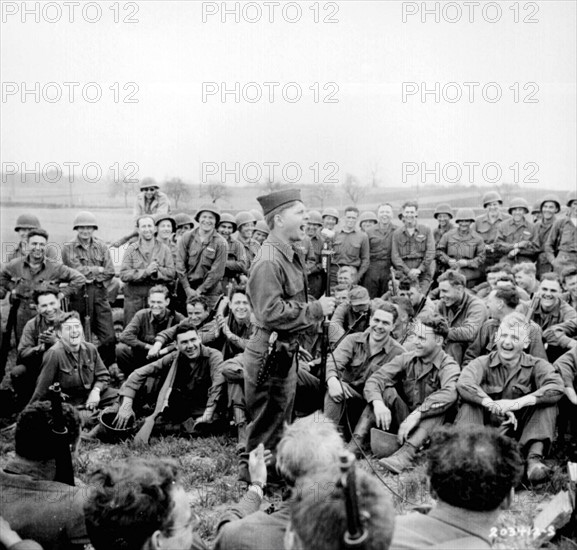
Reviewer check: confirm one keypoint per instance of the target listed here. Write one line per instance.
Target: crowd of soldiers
(393, 328)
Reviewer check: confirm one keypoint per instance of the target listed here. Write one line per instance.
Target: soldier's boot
(361, 432)
(537, 470)
(400, 461)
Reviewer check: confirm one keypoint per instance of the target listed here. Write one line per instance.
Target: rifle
(356, 534)
(394, 283)
(326, 256)
(7, 334)
(87, 322)
(64, 470)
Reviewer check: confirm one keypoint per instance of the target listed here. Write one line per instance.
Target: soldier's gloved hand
(124, 414)
(328, 304)
(93, 399)
(154, 350)
(383, 415)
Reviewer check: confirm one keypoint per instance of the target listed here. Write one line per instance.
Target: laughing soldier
(277, 289)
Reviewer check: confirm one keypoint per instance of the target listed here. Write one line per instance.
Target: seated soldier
(236, 328)
(77, 367)
(341, 294)
(567, 366)
(549, 310)
(351, 317)
(521, 401)
(402, 328)
(140, 504)
(569, 278)
(500, 303)
(318, 518)
(563, 335)
(307, 445)
(347, 275)
(493, 274)
(189, 385)
(526, 277)
(411, 289)
(464, 312)
(38, 336)
(198, 319)
(472, 475)
(34, 502)
(137, 339)
(411, 394)
(356, 358)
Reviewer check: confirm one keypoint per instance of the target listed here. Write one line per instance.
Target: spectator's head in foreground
(319, 517)
(138, 504)
(474, 468)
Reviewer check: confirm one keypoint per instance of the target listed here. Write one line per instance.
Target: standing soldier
(22, 276)
(561, 246)
(146, 263)
(330, 218)
(24, 224)
(351, 246)
(443, 214)
(380, 244)
(245, 223)
(367, 219)
(516, 235)
(463, 249)
(277, 289)
(413, 249)
(91, 257)
(487, 225)
(237, 264)
(313, 245)
(261, 232)
(549, 207)
(184, 223)
(201, 257)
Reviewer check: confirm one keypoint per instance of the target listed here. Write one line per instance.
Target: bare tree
(353, 188)
(177, 190)
(215, 190)
(374, 175)
(322, 191)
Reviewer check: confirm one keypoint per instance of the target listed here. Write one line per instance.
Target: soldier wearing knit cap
(277, 290)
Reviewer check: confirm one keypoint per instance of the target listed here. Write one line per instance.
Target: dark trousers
(376, 279)
(23, 378)
(129, 359)
(354, 407)
(533, 423)
(100, 318)
(135, 299)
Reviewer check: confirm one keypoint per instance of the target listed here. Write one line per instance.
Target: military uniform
(407, 383)
(376, 279)
(561, 246)
(201, 265)
(131, 351)
(486, 377)
(542, 231)
(351, 248)
(313, 247)
(344, 318)
(137, 281)
(510, 235)
(488, 232)
(416, 251)
(23, 278)
(465, 320)
(456, 245)
(87, 259)
(237, 263)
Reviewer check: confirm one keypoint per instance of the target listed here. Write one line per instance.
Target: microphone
(327, 233)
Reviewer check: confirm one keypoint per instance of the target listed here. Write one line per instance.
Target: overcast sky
(368, 55)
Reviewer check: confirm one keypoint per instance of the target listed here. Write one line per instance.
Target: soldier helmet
(443, 209)
(244, 217)
(262, 226)
(571, 197)
(85, 219)
(27, 221)
(257, 214)
(549, 198)
(106, 420)
(209, 207)
(147, 183)
(536, 208)
(465, 214)
(227, 217)
(491, 196)
(368, 216)
(519, 202)
(329, 211)
(161, 217)
(315, 217)
(183, 219)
